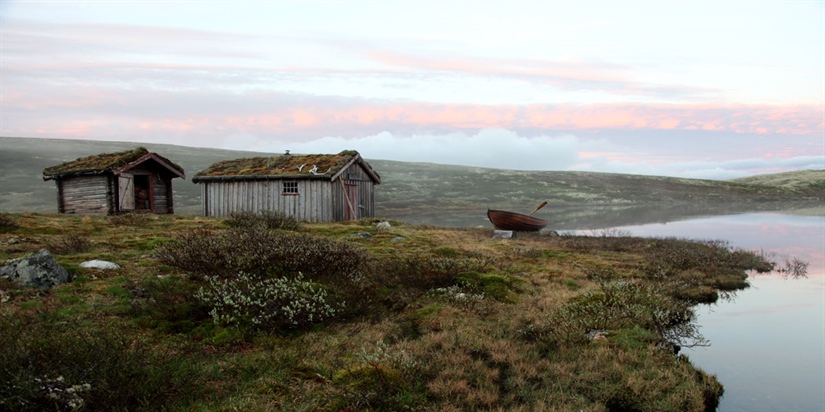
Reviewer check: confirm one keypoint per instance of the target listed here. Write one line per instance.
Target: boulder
(39, 269)
(99, 264)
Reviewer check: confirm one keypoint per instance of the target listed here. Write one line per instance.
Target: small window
(290, 188)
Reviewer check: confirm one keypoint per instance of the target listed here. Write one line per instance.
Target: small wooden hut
(311, 188)
(111, 183)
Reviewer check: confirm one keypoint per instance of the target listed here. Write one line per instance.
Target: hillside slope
(441, 194)
(806, 180)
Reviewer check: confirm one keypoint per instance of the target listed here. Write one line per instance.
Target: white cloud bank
(505, 149)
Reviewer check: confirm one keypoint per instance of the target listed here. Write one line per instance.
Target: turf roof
(283, 165)
(102, 162)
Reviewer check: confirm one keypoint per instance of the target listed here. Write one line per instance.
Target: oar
(540, 206)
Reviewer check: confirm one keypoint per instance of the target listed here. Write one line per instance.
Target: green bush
(8, 222)
(70, 244)
(259, 252)
(265, 304)
(129, 219)
(383, 379)
(621, 305)
(47, 364)
(429, 271)
(266, 219)
(168, 304)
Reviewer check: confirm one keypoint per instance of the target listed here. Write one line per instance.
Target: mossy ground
(488, 340)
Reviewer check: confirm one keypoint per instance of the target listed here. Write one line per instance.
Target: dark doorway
(143, 192)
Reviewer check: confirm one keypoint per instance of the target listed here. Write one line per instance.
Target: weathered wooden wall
(363, 205)
(89, 195)
(317, 200)
(311, 204)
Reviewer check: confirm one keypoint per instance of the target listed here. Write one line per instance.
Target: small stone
(504, 234)
(99, 264)
(382, 225)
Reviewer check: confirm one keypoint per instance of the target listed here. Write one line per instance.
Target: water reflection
(767, 343)
(775, 234)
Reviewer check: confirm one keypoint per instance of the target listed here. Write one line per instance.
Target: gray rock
(99, 264)
(397, 239)
(39, 269)
(365, 235)
(382, 225)
(504, 234)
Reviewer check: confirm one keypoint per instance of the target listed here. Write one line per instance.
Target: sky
(698, 89)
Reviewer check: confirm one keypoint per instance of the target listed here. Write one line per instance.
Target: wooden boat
(503, 220)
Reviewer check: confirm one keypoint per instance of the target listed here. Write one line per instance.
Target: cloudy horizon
(703, 90)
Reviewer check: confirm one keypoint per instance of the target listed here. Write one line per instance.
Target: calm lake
(767, 344)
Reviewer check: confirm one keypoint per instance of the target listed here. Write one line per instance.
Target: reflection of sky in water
(768, 345)
(799, 236)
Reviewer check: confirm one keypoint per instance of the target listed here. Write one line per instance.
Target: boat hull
(503, 220)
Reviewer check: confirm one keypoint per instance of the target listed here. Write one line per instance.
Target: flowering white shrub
(63, 393)
(396, 358)
(459, 296)
(244, 301)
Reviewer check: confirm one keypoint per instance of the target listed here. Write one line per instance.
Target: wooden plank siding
(86, 195)
(161, 194)
(311, 204)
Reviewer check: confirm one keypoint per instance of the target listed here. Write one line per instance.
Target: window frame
(289, 188)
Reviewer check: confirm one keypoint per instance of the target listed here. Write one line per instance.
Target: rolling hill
(448, 195)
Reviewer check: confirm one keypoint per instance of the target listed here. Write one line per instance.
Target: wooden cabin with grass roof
(311, 188)
(112, 183)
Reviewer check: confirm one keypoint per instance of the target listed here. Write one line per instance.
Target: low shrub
(70, 244)
(168, 304)
(428, 271)
(129, 219)
(620, 305)
(614, 242)
(266, 218)
(259, 252)
(462, 297)
(384, 378)
(47, 364)
(248, 303)
(8, 222)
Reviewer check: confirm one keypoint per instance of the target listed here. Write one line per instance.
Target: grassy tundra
(258, 312)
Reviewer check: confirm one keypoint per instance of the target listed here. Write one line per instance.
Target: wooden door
(126, 192)
(352, 201)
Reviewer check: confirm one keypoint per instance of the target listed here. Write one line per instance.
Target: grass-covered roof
(104, 162)
(284, 165)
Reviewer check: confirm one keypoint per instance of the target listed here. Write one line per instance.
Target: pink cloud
(317, 117)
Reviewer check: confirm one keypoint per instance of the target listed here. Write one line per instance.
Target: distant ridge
(801, 179)
(431, 193)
